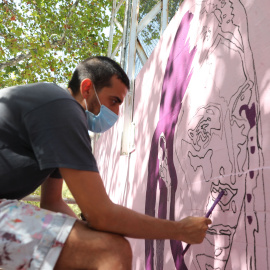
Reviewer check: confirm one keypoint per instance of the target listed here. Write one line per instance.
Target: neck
(78, 97)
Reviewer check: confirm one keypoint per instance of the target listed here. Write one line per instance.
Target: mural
(201, 114)
(209, 138)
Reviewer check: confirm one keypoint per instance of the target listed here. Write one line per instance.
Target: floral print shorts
(31, 237)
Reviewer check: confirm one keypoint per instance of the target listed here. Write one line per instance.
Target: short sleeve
(59, 137)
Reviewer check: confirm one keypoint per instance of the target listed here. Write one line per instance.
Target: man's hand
(194, 229)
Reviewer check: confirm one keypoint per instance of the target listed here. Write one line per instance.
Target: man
(43, 140)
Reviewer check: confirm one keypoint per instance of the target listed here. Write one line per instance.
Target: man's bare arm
(51, 197)
(102, 214)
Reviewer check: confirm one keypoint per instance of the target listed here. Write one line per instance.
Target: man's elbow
(101, 221)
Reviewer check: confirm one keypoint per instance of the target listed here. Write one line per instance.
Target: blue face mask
(101, 122)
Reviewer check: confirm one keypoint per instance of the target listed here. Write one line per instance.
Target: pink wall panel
(201, 110)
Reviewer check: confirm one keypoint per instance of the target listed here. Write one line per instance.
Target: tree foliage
(43, 40)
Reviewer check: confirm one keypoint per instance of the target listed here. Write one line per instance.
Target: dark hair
(99, 69)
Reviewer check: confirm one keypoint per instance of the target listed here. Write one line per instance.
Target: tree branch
(14, 61)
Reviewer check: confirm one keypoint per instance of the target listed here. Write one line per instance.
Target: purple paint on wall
(176, 80)
(249, 197)
(250, 219)
(250, 114)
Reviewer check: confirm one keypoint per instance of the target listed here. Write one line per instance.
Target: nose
(116, 110)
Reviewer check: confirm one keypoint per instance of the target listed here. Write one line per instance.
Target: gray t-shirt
(42, 128)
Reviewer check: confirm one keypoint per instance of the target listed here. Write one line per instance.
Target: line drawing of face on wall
(210, 121)
(217, 135)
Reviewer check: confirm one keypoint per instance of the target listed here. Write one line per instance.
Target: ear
(86, 88)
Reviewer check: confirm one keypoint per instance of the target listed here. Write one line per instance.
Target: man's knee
(94, 250)
(121, 253)
(126, 250)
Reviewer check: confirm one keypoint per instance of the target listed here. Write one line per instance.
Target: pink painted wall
(201, 111)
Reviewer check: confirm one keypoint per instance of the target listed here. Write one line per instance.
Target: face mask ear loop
(85, 104)
(97, 95)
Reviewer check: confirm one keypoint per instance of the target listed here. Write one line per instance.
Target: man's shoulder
(48, 92)
(26, 98)
(41, 89)
(45, 90)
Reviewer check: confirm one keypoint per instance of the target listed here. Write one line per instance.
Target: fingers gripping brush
(208, 214)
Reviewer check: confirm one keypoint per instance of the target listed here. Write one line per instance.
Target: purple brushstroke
(250, 113)
(252, 149)
(250, 219)
(176, 80)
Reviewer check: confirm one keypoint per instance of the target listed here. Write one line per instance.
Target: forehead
(117, 88)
